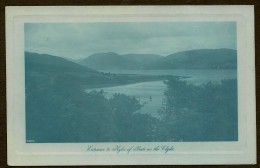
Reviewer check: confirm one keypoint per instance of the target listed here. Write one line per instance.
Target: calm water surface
(151, 94)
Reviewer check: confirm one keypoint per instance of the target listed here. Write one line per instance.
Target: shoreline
(132, 79)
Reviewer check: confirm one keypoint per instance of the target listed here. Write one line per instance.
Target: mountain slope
(109, 61)
(143, 59)
(48, 63)
(47, 71)
(198, 59)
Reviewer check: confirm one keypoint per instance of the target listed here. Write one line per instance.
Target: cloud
(76, 40)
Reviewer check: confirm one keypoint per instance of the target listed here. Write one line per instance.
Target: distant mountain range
(47, 71)
(143, 59)
(47, 66)
(192, 59)
(108, 61)
(198, 59)
(113, 61)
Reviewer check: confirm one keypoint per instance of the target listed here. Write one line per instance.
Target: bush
(200, 113)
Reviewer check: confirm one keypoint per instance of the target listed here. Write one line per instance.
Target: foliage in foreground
(63, 113)
(206, 112)
(71, 115)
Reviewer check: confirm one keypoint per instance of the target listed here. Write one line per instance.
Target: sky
(80, 40)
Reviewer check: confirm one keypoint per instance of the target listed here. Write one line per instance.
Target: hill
(52, 72)
(192, 59)
(109, 61)
(198, 59)
(61, 75)
(143, 59)
(48, 63)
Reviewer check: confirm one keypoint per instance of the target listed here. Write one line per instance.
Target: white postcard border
(20, 153)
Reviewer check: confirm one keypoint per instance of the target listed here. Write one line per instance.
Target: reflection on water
(151, 94)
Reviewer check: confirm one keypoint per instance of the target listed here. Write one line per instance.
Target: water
(195, 76)
(151, 94)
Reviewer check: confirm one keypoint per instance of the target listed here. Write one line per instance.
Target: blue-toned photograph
(131, 82)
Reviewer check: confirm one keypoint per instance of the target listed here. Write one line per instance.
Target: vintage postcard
(130, 85)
